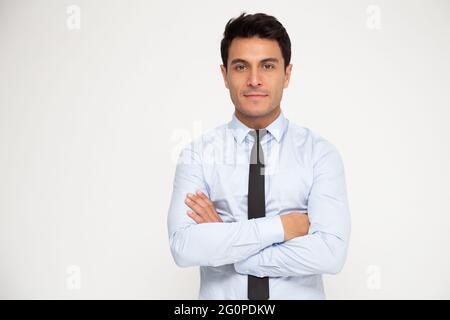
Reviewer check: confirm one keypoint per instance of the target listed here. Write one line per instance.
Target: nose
(254, 79)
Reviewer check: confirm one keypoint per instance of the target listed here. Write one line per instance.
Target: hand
(295, 224)
(203, 208)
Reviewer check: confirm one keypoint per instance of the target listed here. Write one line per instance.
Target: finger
(210, 204)
(197, 208)
(205, 203)
(194, 216)
(205, 199)
(207, 209)
(199, 200)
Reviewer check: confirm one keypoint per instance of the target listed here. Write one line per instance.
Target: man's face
(255, 75)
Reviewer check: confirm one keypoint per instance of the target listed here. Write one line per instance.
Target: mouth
(255, 96)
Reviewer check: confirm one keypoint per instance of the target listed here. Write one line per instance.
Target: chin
(255, 111)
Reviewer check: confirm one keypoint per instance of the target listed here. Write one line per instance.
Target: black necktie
(258, 288)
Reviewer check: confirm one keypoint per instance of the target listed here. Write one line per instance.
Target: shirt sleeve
(324, 249)
(211, 244)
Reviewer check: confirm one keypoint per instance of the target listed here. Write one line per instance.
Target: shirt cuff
(270, 230)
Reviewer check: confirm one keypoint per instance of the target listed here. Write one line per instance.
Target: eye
(269, 66)
(239, 67)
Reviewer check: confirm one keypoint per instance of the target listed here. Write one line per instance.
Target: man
(260, 203)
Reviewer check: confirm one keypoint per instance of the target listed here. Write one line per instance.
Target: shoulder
(312, 142)
(206, 144)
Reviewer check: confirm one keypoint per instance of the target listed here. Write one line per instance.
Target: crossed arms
(292, 244)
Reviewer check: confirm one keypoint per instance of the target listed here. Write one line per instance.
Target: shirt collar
(240, 130)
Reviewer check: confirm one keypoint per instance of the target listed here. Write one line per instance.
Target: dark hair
(260, 25)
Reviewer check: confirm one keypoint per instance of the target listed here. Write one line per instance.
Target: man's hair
(260, 25)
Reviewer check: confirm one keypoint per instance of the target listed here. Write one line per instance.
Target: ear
(287, 75)
(224, 74)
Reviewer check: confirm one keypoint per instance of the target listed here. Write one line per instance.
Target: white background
(92, 119)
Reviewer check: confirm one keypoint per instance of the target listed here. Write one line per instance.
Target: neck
(258, 122)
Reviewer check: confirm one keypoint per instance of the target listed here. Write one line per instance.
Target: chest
(288, 179)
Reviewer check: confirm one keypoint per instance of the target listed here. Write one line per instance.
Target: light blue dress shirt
(303, 172)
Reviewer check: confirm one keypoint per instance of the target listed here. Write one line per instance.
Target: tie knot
(258, 132)
(257, 154)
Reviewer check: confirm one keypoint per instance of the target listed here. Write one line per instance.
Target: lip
(255, 96)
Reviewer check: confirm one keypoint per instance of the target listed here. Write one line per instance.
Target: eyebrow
(234, 61)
